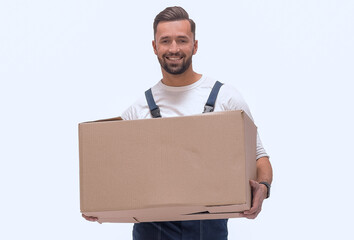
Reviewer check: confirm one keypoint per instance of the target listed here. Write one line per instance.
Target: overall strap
(154, 109)
(209, 106)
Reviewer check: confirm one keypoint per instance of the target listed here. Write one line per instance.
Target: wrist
(266, 188)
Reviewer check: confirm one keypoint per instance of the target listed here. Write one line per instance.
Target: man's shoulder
(139, 109)
(227, 89)
(230, 98)
(230, 89)
(136, 110)
(210, 81)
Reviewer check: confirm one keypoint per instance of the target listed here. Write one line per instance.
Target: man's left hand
(259, 192)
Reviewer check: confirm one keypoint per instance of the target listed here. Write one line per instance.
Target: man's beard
(175, 69)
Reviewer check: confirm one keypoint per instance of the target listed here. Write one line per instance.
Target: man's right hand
(90, 218)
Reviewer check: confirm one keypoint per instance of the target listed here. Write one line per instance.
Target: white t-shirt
(190, 100)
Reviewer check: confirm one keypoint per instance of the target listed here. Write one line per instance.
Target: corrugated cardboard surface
(181, 168)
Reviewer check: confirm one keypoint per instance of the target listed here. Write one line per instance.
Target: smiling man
(174, 46)
(183, 92)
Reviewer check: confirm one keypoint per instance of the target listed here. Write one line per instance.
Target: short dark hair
(173, 14)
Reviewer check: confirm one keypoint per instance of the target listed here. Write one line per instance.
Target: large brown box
(179, 168)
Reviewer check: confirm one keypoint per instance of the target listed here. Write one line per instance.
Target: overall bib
(182, 230)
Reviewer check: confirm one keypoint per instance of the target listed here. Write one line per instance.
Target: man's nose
(174, 48)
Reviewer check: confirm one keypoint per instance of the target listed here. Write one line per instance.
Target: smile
(174, 58)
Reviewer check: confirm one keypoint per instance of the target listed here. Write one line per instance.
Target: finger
(255, 202)
(253, 183)
(252, 210)
(90, 218)
(256, 206)
(250, 215)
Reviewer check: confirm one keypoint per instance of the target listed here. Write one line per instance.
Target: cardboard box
(166, 169)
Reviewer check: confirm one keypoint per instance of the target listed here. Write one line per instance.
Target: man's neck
(180, 80)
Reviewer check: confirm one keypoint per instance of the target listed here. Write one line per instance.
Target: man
(184, 92)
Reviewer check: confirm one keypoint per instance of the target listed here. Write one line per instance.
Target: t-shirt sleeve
(235, 101)
(138, 110)
(130, 113)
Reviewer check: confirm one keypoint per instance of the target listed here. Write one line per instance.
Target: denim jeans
(181, 230)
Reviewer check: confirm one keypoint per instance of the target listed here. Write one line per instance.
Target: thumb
(254, 183)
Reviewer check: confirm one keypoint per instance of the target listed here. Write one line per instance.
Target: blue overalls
(182, 230)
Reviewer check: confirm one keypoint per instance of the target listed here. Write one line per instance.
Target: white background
(69, 61)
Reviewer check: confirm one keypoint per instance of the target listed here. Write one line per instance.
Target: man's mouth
(174, 58)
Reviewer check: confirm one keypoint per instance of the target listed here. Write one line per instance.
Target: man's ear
(195, 47)
(154, 46)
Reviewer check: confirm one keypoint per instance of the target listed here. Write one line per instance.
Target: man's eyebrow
(168, 37)
(182, 37)
(164, 37)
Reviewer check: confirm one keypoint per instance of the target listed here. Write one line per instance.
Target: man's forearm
(264, 170)
(259, 191)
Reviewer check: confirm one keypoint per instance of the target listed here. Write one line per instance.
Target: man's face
(174, 46)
